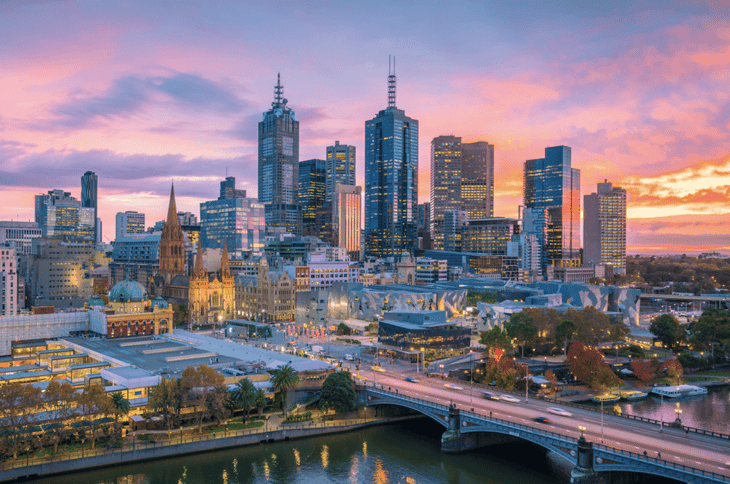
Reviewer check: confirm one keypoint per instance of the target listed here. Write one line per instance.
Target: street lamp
(678, 412)
(442, 369)
(582, 431)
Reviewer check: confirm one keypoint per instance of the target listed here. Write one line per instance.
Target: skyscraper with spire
(172, 244)
(391, 180)
(279, 165)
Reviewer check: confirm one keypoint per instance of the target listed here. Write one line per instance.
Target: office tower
(551, 183)
(604, 227)
(20, 235)
(239, 224)
(312, 181)
(60, 215)
(346, 210)
(228, 189)
(454, 223)
(489, 235)
(172, 244)
(189, 218)
(279, 165)
(423, 226)
(462, 179)
(89, 200)
(340, 167)
(534, 233)
(8, 281)
(391, 180)
(129, 223)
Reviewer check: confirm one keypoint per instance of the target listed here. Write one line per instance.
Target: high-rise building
(172, 244)
(346, 210)
(129, 223)
(239, 224)
(454, 223)
(391, 180)
(423, 226)
(228, 189)
(20, 235)
(462, 179)
(279, 165)
(89, 199)
(604, 227)
(312, 182)
(551, 183)
(60, 215)
(340, 167)
(9, 304)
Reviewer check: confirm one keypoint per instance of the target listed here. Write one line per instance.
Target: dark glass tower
(551, 183)
(312, 176)
(279, 165)
(391, 180)
(88, 199)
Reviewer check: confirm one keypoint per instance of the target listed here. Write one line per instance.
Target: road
(694, 450)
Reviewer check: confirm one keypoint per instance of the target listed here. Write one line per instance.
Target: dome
(96, 301)
(128, 291)
(159, 303)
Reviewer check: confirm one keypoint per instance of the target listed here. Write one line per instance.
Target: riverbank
(139, 452)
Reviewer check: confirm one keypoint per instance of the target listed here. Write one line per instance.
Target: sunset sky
(144, 92)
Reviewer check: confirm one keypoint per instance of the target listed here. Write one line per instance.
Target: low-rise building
(270, 296)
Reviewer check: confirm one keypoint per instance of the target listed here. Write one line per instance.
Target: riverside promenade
(177, 444)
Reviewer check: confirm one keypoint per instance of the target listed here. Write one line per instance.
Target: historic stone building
(211, 296)
(172, 244)
(268, 296)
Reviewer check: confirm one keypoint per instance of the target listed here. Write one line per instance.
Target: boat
(677, 391)
(632, 395)
(607, 398)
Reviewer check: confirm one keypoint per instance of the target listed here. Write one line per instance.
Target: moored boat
(677, 391)
(632, 395)
(607, 398)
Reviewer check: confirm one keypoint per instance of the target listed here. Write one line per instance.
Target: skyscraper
(279, 165)
(551, 183)
(346, 210)
(604, 227)
(391, 180)
(312, 181)
(340, 167)
(129, 223)
(89, 199)
(228, 189)
(58, 214)
(462, 179)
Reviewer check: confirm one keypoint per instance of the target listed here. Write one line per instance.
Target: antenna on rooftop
(391, 83)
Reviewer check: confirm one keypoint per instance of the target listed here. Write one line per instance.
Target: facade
(453, 225)
(551, 183)
(20, 235)
(604, 227)
(136, 258)
(278, 177)
(340, 168)
(129, 223)
(172, 244)
(323, 274)
(211, 297)
(391, 180)
(371, 302)
(346, 214)
(430, 270)
(133, 314)
(268, 296)
(89, 199)
(423, 330)
(489, 236)
(481, 265)
(228, 189)
(423, 226)
(477, 179)
(312, 182)
(239, 223)
(58, 214)
(9, 304)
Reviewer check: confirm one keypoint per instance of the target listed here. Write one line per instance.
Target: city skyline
(142, 99)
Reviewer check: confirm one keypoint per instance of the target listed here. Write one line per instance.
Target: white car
(453, 387)
(509, 398)
(559, 411)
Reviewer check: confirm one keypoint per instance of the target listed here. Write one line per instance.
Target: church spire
(225, 269)
(199, 271)
(172, 209)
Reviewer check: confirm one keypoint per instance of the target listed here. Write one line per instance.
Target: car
(559, 411)
(411, 379)
(349, 358)
(379, 369)
(543, 420)
(509, 398)
(453, 387)
(490, 396)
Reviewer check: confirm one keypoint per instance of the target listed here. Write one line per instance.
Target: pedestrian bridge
(468, 430)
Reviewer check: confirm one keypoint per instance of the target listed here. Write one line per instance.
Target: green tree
(669, 331)
(217, 400)
(282, 379)
(196, 385)
(17, 405)
(338, 392)
(521, 329)
(495, 338)
(120, 405)
(243, 396)
(94, 404)
(166, 399)
(563, 333)
(712, 328)
(503, 373)
(344, 329)
(59, 401)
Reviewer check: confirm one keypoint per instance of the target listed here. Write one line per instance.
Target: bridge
(718, 301)
(472, 422)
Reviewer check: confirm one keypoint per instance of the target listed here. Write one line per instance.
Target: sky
(145, 93)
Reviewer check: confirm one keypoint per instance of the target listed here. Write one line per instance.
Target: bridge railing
(660, 461)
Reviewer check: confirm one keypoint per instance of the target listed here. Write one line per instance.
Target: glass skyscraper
(391, 180)
(312, 176)
(279, 165)
(89, 182)
(340, 167)
(604, 227)
(551, 183)
(60, 215)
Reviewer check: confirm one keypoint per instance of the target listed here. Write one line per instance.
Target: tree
(93, 402)
(521, 329)
(338, 392)
(646, 370)
(586, 364)
(59, 401)
(503, 373)
(344, 329)
(243, 396)
(282, 379)
(17, 404)
(550, 376)
(712, 328)
(120, 405)
(673, 369)
(217, 403)
(564, 332)
(166, 398)
(196, 384)
(494, 339)
(669, 331)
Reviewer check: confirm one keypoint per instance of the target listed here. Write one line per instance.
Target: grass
(724, 372)
(690, 379)
(236, 426)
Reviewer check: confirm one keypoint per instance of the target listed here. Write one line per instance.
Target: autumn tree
(550, 376)
(166, 399)
(196, 383)
(503, 373)
(673, 369)
(646, 370)
(59, 400)
(93, 403)
(18, 402)
(586, 363)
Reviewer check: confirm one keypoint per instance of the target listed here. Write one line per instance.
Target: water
(407, 453)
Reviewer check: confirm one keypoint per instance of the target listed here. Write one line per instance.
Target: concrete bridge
(467, 429)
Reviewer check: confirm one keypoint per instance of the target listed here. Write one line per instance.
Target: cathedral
(172, 244)
(211, 296)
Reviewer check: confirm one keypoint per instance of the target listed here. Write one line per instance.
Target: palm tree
(120, 405)
(284, 378)
(243, 396)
